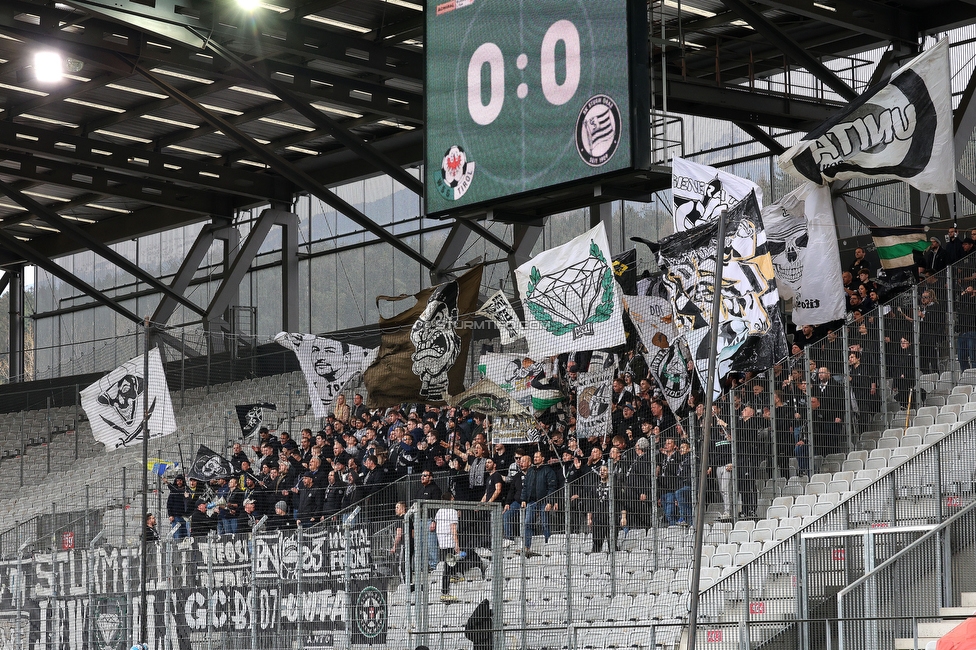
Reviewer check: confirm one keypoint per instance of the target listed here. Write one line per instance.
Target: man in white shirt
(445, 524)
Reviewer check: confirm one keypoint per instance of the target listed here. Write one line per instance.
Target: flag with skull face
(422, 352)
(115, 404)
(800, 227)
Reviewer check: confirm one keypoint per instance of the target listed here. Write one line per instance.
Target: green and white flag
(897, 246)
(570, 297)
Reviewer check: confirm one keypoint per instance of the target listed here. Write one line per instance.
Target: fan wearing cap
(309, 501)
(280, 520)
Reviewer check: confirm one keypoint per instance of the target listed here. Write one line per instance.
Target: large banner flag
(802, 241)
(594, 397)
(326, 363)
(513, 373)
(900, 129)
(423, 349)
(897, 245)
(500, 311)
(511, 422)
(570, 297)
(114, 404)
(209, 465)
(700, 193)
(653, 317)
(253, 416)
(750, 331)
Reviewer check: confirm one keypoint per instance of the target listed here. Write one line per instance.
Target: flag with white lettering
(500, 311)
(802, 241)
(899, 129)
(700, 193)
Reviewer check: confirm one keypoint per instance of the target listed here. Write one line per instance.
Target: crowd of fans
(642, 472)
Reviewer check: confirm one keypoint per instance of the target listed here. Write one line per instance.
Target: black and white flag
(327, 365)
(802, 242)
(900, 129)
(500, 311)
(209, 465)
(700, 193)
(115, 403)
(253, 416)
(594, 398)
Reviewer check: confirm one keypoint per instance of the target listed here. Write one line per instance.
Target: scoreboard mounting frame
(522, 97)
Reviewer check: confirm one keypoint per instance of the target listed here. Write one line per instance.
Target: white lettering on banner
(864, 133)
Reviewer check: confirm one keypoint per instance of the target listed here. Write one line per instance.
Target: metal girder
(73, 230)
(745, 105)
(964, 118)
(103, 182)
(762, 137)
(191, 263)
(242, 262)
(287, 170)
(789, 47)
(56, 145)
(524, 237)
(15, 323)
(450, 250)
(864, 16)
(317, 117)
(28, 254)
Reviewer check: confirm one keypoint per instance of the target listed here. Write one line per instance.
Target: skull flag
(252, 417)
(900, 129)
(750, 330)
(570, 297)
(209, 465)
(114, 404)
(422, 352)
(802, 242)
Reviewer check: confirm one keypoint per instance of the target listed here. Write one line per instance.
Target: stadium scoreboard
(525, 96)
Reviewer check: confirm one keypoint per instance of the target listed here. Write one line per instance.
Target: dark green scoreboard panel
(526, 95)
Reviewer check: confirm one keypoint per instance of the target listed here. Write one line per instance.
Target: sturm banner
(85, 599)
(327, 365)
(593, 402)
(899, 129)
(253, 416)
(500, 311)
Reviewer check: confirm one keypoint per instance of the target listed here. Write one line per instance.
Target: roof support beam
(772, 33)
(317, 117)
(762, 137)
(73, 230)
(864, 16)
(286, 169)
(27, 253)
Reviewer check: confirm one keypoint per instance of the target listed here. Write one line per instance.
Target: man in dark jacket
(539, 483)
(177, 507)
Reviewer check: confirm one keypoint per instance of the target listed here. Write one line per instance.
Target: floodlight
(248, 5)
(47, 67)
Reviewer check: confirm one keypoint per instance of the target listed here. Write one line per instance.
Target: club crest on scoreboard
(598, 130)
(456, 174)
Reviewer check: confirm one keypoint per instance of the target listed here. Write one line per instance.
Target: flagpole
(706, 434)
(143, 562)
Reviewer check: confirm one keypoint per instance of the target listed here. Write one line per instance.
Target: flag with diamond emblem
(570, 297)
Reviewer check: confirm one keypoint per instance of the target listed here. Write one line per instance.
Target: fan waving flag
(252, 417)
(115, 403)
(900, 129)
(423, 349)
(160, 466)
(898, 245)
(700, 193)
(750, 330)
(209, 465)
(570, 297)
(802, 242)
(327, 365)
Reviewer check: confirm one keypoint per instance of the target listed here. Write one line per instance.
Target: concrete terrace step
(935, 630)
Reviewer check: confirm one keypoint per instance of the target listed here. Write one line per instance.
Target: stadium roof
(173, 112)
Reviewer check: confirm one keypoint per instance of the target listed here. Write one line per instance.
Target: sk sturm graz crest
(575, 298)
(436, 341)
